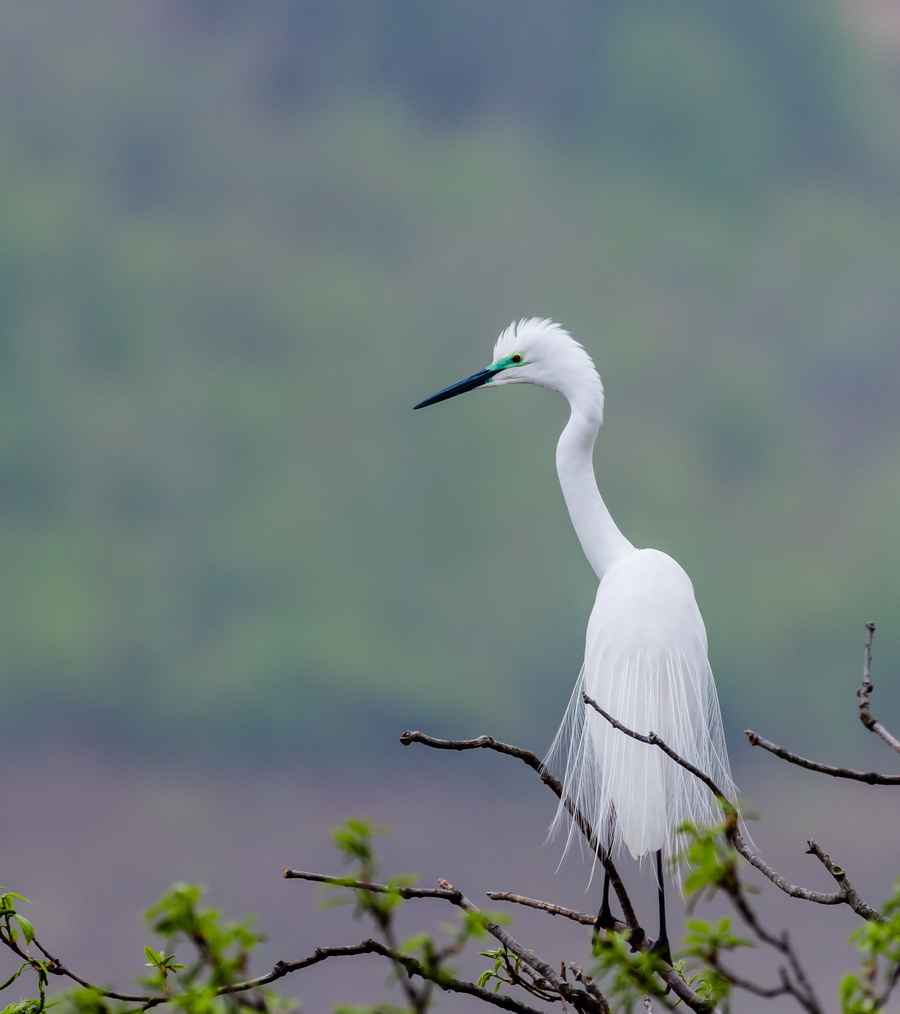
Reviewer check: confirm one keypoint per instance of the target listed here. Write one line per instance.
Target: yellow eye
(517, 358)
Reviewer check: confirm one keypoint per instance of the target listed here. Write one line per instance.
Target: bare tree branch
(412, 966)
(588, 984)
(845, 896)
(363, 885)
(447, 892)
(546, 906)
(870, 777)
(578, 999)
(746, 984)
(866, 688)
(801, 989)
(847, 893)
(56, 967)
(671, 978)
(534, 762)
(283, 968)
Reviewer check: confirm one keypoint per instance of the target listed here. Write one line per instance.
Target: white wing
(646, 665)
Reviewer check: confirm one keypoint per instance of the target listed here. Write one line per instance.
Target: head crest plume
(560, 362)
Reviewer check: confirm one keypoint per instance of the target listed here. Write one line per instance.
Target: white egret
(645, 659)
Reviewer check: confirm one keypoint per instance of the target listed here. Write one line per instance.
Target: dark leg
(661, 947)
(605, 919)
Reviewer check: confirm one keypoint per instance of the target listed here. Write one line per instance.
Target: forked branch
(672, 979)
(580, 1000)
(845, 896)
(867, 719)
(554, 784)
(798, 986)
(866, 688)
(411, 965)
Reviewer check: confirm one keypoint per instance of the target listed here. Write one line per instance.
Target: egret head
(536, 351)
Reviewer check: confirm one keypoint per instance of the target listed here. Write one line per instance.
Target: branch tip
(869, 777)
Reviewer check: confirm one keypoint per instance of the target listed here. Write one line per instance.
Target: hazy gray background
(239, 241)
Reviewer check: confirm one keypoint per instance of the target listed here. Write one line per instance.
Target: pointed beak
(469, 384)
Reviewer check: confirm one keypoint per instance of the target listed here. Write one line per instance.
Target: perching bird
(645, 658)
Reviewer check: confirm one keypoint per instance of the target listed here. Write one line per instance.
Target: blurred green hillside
(239, 241)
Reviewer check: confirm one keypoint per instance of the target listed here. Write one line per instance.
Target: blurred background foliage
(239, 241)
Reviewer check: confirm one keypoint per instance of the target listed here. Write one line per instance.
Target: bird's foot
(635, 939)
(603, 923)
(604, 920)
(661, 950)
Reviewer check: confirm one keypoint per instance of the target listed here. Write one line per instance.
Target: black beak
(469, 384)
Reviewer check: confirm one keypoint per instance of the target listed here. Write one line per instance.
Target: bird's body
(645, 660)
(645, 663)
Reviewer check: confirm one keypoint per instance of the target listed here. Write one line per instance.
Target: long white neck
(600, 539)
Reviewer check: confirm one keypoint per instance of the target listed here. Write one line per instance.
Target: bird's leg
(605, 919)
(661, 947)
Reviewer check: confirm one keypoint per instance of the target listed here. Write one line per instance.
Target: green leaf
(27, 928)
(12, 894)
(154, 958)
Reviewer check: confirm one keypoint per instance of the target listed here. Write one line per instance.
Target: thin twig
(554, 784)
(870, 777)
(889, 988)
(746, 984)
(866, 688)
(364, 885)
(567, 913)
(518, 974)
(546, 906)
